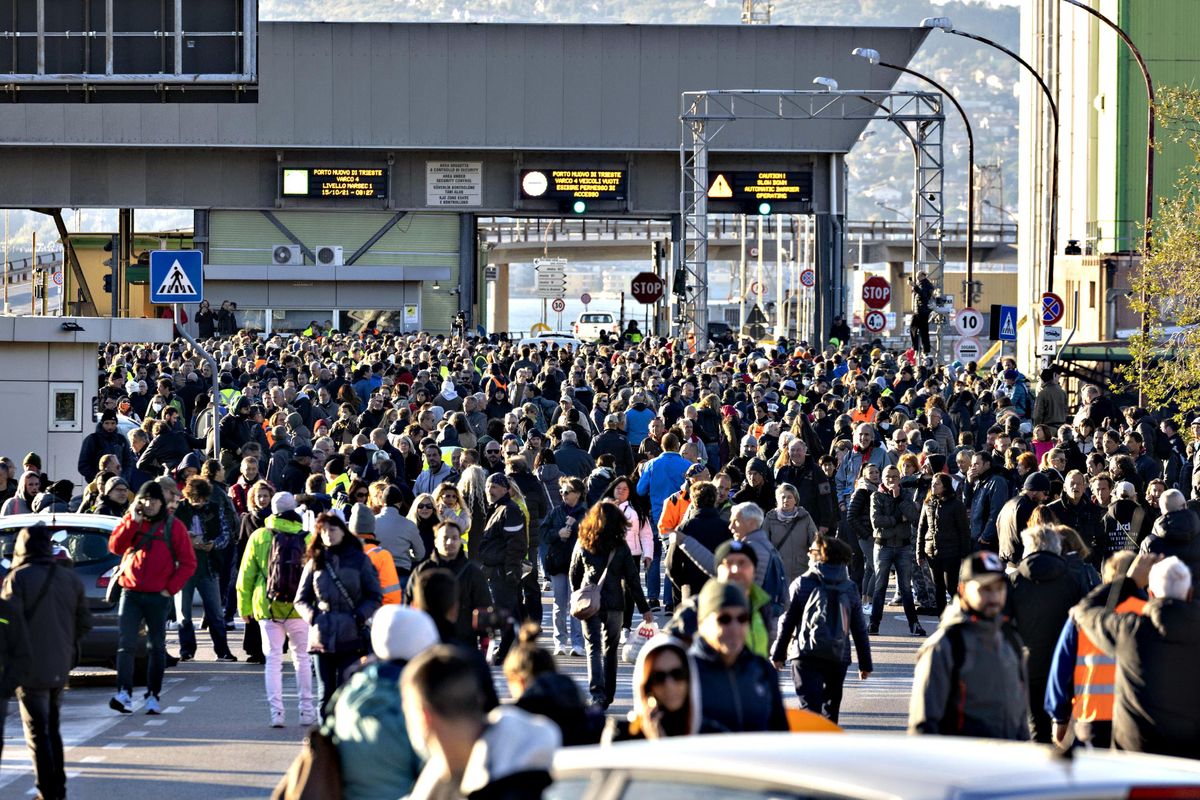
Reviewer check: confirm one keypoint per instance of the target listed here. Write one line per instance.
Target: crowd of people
(396, 507)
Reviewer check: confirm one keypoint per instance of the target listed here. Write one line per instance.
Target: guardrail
(20, 270)
(506, 230)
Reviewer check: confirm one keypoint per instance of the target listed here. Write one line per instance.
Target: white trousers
(274, 633)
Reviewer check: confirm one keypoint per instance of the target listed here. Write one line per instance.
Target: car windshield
(601, 318)
(84, 545)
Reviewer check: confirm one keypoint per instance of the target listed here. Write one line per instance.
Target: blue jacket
(989, 497)
(1060, 689)
(661, 478)
(637, 424)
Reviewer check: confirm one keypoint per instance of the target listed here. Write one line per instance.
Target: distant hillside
(880, 167)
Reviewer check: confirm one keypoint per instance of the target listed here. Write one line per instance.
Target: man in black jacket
(1043, 591)
(614, 442)
(814, 490)
(105, 441)
(50, 599)
(472, 586)
(14, 658)
(1076, 511)
(1157, 699)
(501, 551)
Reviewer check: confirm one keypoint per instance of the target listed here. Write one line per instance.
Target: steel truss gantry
(704, 114)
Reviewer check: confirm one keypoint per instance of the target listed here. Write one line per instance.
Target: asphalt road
(213, 741)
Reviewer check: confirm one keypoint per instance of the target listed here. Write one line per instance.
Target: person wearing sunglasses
(666, 696)
(739, 691)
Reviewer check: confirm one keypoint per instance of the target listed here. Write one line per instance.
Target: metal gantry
(704, 114)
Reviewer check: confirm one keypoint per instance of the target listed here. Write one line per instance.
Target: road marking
(173, 710)
(202, 689)
(136, 734)
(153, 723)
(92, 759)
(115, 746)
(189, 699)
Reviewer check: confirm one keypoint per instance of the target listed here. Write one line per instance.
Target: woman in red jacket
(156, 561)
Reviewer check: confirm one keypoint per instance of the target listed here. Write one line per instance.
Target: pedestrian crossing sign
(176, 276)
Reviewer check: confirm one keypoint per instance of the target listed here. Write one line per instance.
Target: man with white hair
(1157, 699)
(572, 459)
(1176, 532)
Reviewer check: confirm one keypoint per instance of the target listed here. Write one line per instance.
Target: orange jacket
(672, 514)
(389, 580)
(1096, 673)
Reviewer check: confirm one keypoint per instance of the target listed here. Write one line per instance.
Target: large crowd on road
(394, 508)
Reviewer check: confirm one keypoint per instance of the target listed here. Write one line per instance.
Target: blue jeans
(868, 550)
(567, 630)
(210, 597)
(136, 607)
(602, 635)
(658, 585)
(712, 451)
(887, 558)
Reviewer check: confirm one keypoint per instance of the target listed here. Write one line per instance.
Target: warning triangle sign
(176, 282)
(1008, 328)
(720, 189)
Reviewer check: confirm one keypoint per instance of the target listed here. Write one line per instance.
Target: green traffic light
(579, 207)
(764, 209)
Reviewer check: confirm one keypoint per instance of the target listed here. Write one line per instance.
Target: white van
(589, 325)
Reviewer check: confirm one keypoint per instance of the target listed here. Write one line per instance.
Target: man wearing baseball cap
(970, 678)
(1014, 516)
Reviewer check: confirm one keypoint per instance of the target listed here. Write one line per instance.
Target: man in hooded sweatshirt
(263, 597)
(50, 599)
(156, 561)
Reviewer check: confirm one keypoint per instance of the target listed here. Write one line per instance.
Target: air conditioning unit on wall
(329, 255)
(287, 255)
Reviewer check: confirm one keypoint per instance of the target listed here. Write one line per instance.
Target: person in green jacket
(265, 591)
(732, 562)
(366, 720)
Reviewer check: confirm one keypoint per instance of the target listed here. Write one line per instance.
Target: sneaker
(277, 720)
(152, 706)
(172, 661)
(256, 659)
(894, 600)
(873, 629)
(308, 719)
(916, 629)
(624, 635)
(573, 653)
(186, 656)
(559, 650)
(866, 609)
(227, 658)
(122, 702)
(654, 605)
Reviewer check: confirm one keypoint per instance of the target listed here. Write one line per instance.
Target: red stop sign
(647, 288)
(877, 292)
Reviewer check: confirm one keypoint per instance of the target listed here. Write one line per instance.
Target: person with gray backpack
(825, 613)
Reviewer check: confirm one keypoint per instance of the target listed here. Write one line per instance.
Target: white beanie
(401, 633)
(283, 502)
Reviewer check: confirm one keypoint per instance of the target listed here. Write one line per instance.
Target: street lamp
(872, 56)
(944, 24)
(895, 211)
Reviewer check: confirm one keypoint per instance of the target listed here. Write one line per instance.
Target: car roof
(911, 767)
(97, 521)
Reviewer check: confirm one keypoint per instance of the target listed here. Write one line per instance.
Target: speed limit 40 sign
(969, 322)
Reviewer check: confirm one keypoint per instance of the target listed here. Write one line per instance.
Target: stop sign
(647, 288)
(877, 292)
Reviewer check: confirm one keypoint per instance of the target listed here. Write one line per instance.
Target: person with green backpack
(269, 577)
(825, 613)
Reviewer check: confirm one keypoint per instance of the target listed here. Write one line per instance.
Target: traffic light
(679, 284)
(764, 209)
(112, 247)
(579, 207)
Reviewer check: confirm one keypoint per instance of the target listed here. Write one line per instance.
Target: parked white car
(799, 766)
(589, 325)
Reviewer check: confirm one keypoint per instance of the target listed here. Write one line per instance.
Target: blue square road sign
(176, 276)
(1006, 326)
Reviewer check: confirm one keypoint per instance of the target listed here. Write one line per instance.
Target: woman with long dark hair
(339, 592)
(603, 559)
(943, 536)
(639, 535)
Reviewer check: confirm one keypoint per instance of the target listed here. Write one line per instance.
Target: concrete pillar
(498, 312)
(901, 297)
